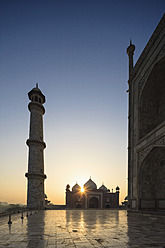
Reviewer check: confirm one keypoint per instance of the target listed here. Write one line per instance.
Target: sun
(82, 189)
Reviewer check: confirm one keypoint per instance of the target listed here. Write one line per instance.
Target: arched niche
(93, 202)
(79, 205)
(151, 179)
(152, 100)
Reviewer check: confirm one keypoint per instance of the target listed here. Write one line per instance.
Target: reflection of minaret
(36, 228)
(35, 175)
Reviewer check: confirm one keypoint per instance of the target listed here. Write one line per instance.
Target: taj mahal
(146, 125)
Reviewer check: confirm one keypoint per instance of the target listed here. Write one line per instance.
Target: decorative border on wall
(144, 79)
(144, 152)
(155, 35)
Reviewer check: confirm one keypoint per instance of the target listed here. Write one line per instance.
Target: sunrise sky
(76, 51)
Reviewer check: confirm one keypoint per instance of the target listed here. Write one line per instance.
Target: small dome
(36, 92)
(89, 185)
(36, 88)
(103, 188)
(76, 187)
(117, 188)
(67, 187)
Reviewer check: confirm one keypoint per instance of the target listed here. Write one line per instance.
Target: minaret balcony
(35, 175)
(30, 142)
(36, 105)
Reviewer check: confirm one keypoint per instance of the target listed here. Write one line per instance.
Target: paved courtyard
(82, 228)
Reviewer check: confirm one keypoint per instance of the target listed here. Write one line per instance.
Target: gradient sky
(76, 51)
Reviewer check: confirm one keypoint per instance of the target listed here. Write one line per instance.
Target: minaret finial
(130, 52)
(37, 85)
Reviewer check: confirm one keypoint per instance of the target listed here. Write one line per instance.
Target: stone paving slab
(82, 229)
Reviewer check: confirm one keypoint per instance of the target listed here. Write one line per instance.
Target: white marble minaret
(35, 175)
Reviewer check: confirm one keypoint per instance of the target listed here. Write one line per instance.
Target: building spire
(130, 52)
(37, 85)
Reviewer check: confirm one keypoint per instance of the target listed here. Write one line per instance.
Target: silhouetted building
(35, 175)
(91, 197)
(146, 140)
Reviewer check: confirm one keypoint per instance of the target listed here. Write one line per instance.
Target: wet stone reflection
(35, 231)
(82, 228)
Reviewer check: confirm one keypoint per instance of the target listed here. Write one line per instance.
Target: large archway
(151, 181)
(152, 100)
(93, 202)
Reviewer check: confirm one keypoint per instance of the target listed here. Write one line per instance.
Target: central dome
(90, 185)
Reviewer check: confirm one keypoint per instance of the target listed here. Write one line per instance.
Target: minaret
(130, 52)
(35, 175)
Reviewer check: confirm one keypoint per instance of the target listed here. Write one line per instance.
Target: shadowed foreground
(82, 228)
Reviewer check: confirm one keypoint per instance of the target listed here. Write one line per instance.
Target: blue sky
(76, 51)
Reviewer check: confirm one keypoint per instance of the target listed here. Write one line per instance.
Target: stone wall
(147, 124)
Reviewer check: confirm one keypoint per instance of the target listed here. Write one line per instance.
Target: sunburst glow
(82, 189)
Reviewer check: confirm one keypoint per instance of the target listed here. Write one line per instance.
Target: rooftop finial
(130, 52)
(37, 85)
(90, 177)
